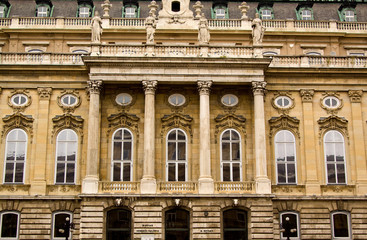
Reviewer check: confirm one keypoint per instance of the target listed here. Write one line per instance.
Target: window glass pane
(117, 148)
(331, 173)
(280, 152)
(220, 13)
(71, 149)
(42, 11)
(181, 172)
(171, 151)
(226, 135)
(70, 173)
(235, 219)
(9, 171)
(127, 151)
(291, 171)
(10, 154)
(341, 228)
(171, 172)
(129, 12)
(60, 170)
(118, 135)
(83, 12)
(181, 151)
(2, 11)
(235, 151)
(118, 224)
(225, 151)
(127, 135)
(236, 172)
(172, 135)
(117, 171)
(281, 173)
(226, 172)
(235, 135)
(127, 171)
(19, 172)
(341, 173)
(9, 226)
(180, 135)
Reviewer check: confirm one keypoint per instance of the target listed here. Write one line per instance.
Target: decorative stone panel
(281, 110)
(123, 119)
(283, 122)
(333, 123)
(18, 120)
(69, 109)
(176, 120)
(340, 190)
(355, 96)
(289, 190)
(68, 121)
(306, 95)
(22, 107)
(44, 93)
(331, 110)
(229, 120)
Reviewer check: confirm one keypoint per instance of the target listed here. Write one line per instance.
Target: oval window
(176, 99)
(283, 102)
(69, 100)
(229, 100)
(123, 99)
(19, 99)
(331, 102)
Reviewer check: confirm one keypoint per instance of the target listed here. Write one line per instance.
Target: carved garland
(68, 121)
(333, 123)
(176, 120)
(18, 120)
(283, 122)
(229, 120)
(123, 119)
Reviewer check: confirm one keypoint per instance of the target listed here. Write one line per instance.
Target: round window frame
(69, 95)
(331, 107)
(229, 105)
(124, 104)
(16, 104)
(284, 97)
(173, 104)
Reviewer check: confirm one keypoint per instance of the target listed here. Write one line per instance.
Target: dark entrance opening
(235, 224)
(177, 224)
(118, 224)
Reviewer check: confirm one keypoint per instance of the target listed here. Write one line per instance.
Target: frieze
(176, 120)
(63, 189)
(332, 123)
(18, 120)
(338, 189)
(355, 96)
(15, 188)
(229, 120)
(68, 121)
(289, 189)
(283, 122)
(123, 119)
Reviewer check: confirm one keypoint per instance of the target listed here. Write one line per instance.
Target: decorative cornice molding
(94, 86)
(68, 121)
(355, 96)
(176, 120)
(18, 120)
(229, 120)
(283, 122)
(204, 86)
(307, 95)
(44, 93)
(332, 123)
(123, 119)
(258, 88)
(150, 86)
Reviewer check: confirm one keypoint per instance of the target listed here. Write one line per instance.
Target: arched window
(122, 155)
(176, 166)
(118, 224)
(66, 155)
(285, 157)
(335, 157)
(15, 156)
(9, 225)
(341, 226)
(177, 224)
(231, 164)
(235, 224)
(290, 221)
(59, 219)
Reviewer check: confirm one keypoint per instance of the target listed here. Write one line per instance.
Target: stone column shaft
(90, 182)
(206, 183)
(263, 184)
(148, 183)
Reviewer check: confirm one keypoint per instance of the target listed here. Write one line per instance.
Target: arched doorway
(118, 224)
(177, 223)
(235, 224)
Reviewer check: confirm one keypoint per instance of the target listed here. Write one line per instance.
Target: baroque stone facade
(180, 138)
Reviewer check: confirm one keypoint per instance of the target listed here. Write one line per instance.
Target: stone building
(183, 120)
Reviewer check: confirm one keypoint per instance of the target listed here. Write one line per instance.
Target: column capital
(355, 96)
(306, 94)
(150, 86)
(204, 86)
(95, 86)
(258, 88)
(44, 93)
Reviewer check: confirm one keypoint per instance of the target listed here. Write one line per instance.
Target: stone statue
(150, 25)
(257, 30)
(204, 35)
(96, 26)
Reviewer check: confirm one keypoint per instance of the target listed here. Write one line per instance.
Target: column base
(90, 185)
(206, 186)
(263, 186)
(148, 186)
(38, 188)
(313, 189)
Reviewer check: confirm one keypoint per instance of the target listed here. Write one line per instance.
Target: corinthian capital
(204, 86)
(258, 88)
(150, 86)
(44, 92)
(307, 95)
(94, 86)
(355, 96)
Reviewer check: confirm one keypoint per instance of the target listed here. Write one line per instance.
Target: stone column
(148, 183)
(90, 182)
(310, 158)
(39, 183)
(263, 184)
(359, 141)
(206, 183)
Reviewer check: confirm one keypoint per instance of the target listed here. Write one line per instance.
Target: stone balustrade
(120, 187)
(234, 187)
(220, 24)
(177, 187)
(319, 61)
(41, 58)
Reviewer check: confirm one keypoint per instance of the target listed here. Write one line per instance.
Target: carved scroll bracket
(68, 121)
(283, 122)
(176, 120)
(123, 119)
(230, 120)
(333, 123)
(18, 120)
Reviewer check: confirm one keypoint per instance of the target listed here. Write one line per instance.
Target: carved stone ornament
(332, 123)
(19, 108)
(306, 95)
(283, 122)
(94, 86)
(204, 86)
(15, 188)
(69, 108)
(44, 93)
(229, 120)
(176, 120)
(180, 91)
(355, 96)
(338, 189)
(62, 189)
(68, 121)
(150, 86)
(123, 119)
(18, 120)
(117, 92)
(283, 110)
(229, 108)
(333, 110)
(258, 88)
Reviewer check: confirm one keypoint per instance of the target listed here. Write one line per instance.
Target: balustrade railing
(122, 50)
(120, 187)
(319, 61)
(127, 22)
(41, 58)
(177, 51)
(44, 21)
(77, 21)
(355, 26)
(234, 187)
(224, 23)
(177, 187)
(5, 22)
(312, 24)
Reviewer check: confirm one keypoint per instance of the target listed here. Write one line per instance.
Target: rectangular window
(2, 11)
(306, 14)
(84, 12)
(9, 225)
(289, 222)
(266, 14)
(220, 13)
(130, 12)
(42, 11)
(341, 225)
(349, 16)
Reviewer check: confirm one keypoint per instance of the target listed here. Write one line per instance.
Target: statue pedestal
(95, 49)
